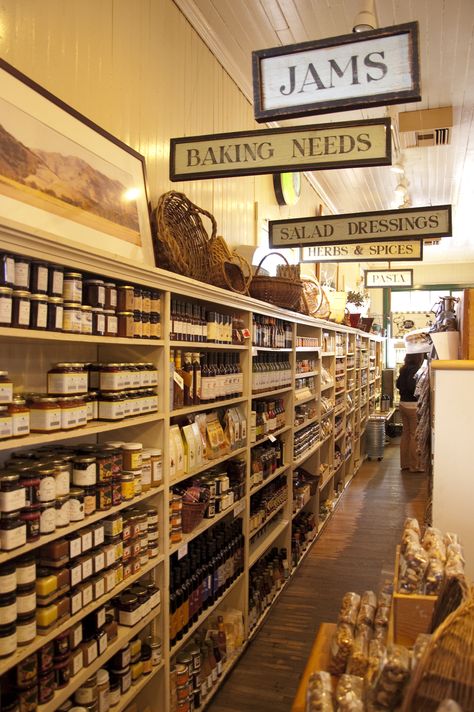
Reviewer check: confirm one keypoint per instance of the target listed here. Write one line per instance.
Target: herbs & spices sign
(390, 251)
(373, 68)
(388, 278)
(375, 226)
(337, 145)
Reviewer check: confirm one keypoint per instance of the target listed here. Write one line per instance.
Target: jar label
(110, 410)
(99, 587)
(68, 418)
(8, 583)
(136, 408)
(24, 312)
(87, 568)
(10, 270)
(99, 562)
(86, 539)
(127, 408)
(100, 323)
(72, 290)
(5, 310)
(76, 602)
(146, 474)
(6, 426)
(74, 545)
(81, 415)
(45, 420)
(129, 618)
(57, 282)
(22, 274)
(86, 323)
(77, 664)
(62, 483)
(42, 279)
(47, 489)
(110, 380)
(76, 510)
(84, 477)
(112, 324)
(26, 604)
(13, 538)
(72, 320)
(153, 377)
(8, 645)
(41, 316)
(62, 515)
(20, 424)
(99, 535)
(90, 411)
(10, 501)
(6, 392)
(109, 556)
(26, 574)
(126, 681)
(87, 595)
(26, 632)
(48, 520)
(59, 317)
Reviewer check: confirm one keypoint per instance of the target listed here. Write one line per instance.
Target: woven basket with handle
(280, 291)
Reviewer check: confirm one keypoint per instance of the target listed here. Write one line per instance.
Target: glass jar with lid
(55, 314)
(155, 326)
(12, 494)
(67, 378)
(38, 311)
(45, 414)
(6, 427)
(55, 280)
(98, 321)
(110, 296)
(6, 388)
(22, 272)
(6, 306)
(137, 325)
(126, 324)
(21, 306)
(125, 297)
(111, 324)
(7, 269)
(72, 287)
(39, 277)
(12, 531)
(94, 292)
(72, 317)
(87, 319)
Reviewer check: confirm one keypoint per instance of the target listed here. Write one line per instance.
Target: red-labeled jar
(31, 516)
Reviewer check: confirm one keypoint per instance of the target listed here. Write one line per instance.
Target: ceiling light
(397, 168)
(366, 19)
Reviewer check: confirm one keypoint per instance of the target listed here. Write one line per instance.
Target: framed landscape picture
(64, 177)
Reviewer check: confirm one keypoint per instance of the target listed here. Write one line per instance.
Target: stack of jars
(266, 501)
(40, 295)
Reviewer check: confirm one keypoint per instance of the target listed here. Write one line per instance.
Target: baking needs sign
(407, 251)
(388, 278)
(373, 68)
(338, 145)
(406, 223)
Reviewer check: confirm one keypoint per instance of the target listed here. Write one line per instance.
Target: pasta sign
(388, 278)
(374, 68)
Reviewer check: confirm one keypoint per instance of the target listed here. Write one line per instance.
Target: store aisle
(355, 552)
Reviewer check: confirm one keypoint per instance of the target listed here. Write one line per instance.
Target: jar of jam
(104, 458)
(55, 314)
(6, 427)
(38, 311)
(45, 414)
(137, 325)
(31, 484)
(12, 494)
(47, 488)
(132, 456)
(6, 306)
(39, 277)
(20, 414)
(72, 318)
(12, 531)
(21, 306)
(55, 280)
(127, 486)
(146, 301)
(26, 570)
(72, 287)
(146, 331)
(111, 324)
(86, 321)
(111, 406)
(155, 326)
(84, 471)
(98, 321)
(26, 630)
(94, 292)
(76, 504)
(92, 405)
(31, 516)
(46, 687)
(125, 298)
(90, 501)
(47, 517)
(104, 496)
(22, 272)
(62, 671)
(155, 306)
(62, 477)
(63, 516)
(126, 324)
(129, 609)
(8, 579)
(7, 270)
(8, 639)
(110, 296)
(26, 600)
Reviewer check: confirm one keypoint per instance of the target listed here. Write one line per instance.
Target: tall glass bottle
(178, 382)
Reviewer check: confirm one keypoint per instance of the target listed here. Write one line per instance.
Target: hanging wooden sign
(379, 225)
(337, 145)
(389, 251)
(373, 68)
(388, 278)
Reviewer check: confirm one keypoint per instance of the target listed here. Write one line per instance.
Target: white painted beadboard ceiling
(436, 175)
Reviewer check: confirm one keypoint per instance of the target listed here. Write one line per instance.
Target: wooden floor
(355, 552)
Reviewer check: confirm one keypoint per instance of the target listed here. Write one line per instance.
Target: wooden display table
(318, 660)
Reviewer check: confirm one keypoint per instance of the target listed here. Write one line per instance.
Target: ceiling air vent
(430, 127)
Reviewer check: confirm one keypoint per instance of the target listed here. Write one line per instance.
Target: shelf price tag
(239, 508)
(254, 351)
(272, 438)
(245, 333)
(182, 551)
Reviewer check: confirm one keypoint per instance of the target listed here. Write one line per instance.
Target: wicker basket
(228, 269)
(284, 293)
(192, 515)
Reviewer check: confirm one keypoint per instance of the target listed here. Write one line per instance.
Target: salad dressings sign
(373, 68)
(336, 145)
(388, 278)
(381, 225)
(390, 251)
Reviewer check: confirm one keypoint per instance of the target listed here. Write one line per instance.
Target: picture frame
(66, 179)
(328, 273)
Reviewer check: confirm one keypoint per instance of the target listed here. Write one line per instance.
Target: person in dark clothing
(406, 384)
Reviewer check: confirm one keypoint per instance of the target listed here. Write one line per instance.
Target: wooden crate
(411, 613)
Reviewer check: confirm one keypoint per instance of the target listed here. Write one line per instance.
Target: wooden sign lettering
(406, 251)
(362, 69)
(338, 145)
(388, 278)
(406, 223)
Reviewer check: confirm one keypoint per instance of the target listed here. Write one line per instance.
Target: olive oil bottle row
(204, 378)
(270, 371)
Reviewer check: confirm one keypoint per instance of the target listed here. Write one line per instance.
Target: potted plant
(356, 301)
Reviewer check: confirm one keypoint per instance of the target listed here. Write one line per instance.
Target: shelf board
(328, 353)
(272, 515)
(207, 465)
(25, 651)
(304, 400)
(327, 414)
(207, 406)
(339, 436)
(267, 541)
(308, 374)
(297, 428)
(38, 335)
(125, 634)
(303, 458)
(93, 428)
(275, 392)
(351, 353)
(272, 348)
(270, 435)
(326, 386)
(341, 355)
(278, 471)
(197, 345)
(307, 349)
(134, 690)
(203, 617)
(61, 532)
(350, 368)
(339, 411)
(205, 524)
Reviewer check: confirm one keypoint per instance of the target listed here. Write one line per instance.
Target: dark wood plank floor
(354, 553)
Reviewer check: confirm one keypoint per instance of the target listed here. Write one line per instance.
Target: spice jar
(21, 309)
(45, 414)
(72, 318)
(20, 414)
(38, 311)
(110, 296)
(94, 292)
(12, 494)
(55, 314)
(72, 287)
(22, 272)
(6, 306)
(111, 324)
(55, 280)
(126, 324)
(12, 531)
